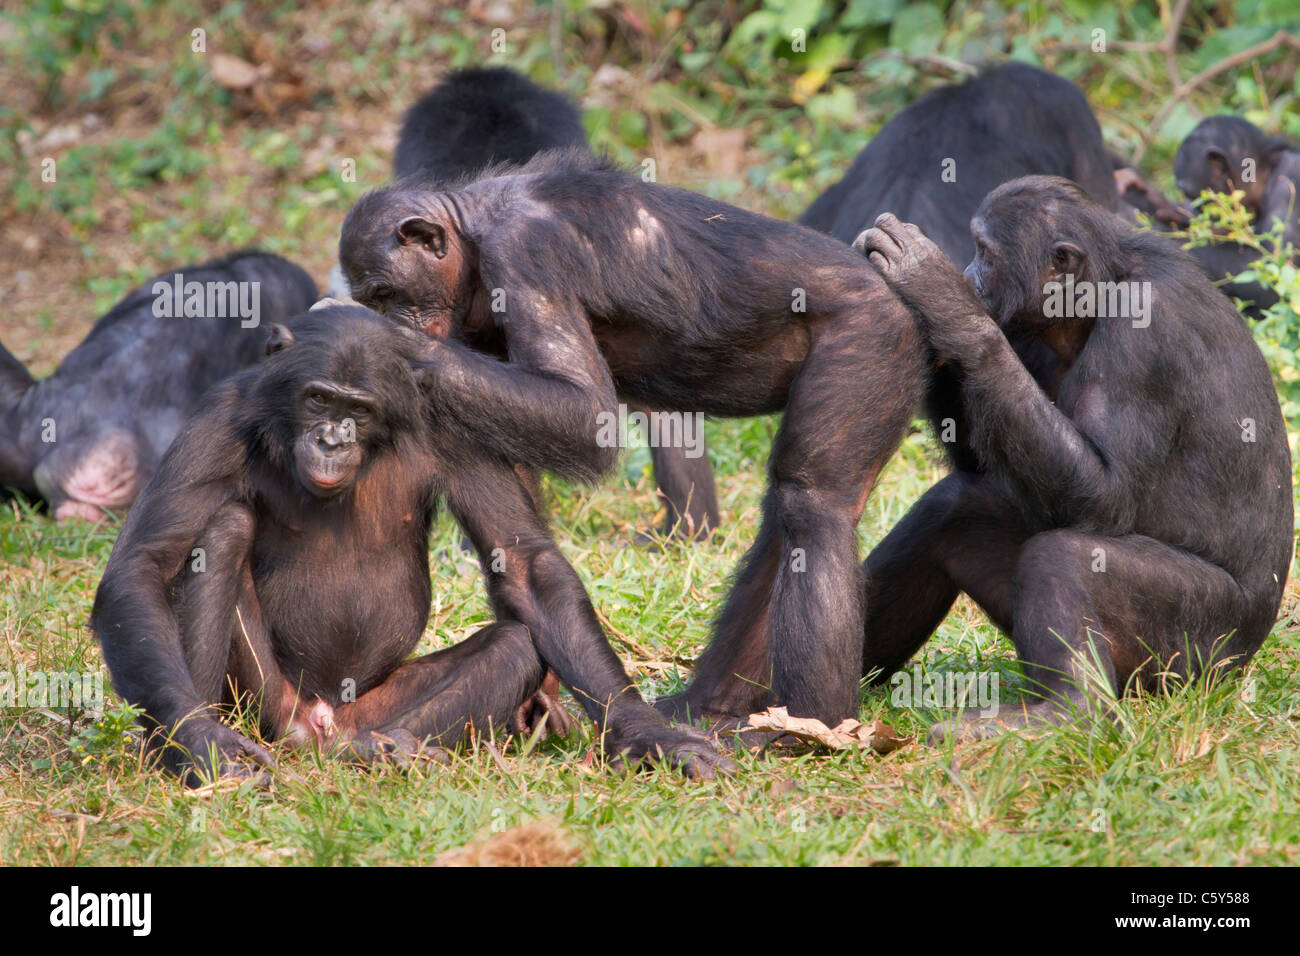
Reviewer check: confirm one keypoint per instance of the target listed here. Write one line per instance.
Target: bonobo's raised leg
(791, 631)
(446, 696)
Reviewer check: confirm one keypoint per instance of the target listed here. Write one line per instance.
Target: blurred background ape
(89, 437)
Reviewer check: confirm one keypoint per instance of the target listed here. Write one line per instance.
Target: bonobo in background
(90, 436)
(484, 116)
(290, 516)
(934, 161)
(1223, 154)
(616, 287)
(1124, 513)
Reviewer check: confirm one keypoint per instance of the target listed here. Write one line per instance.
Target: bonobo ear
(427, 233)
(1066, 258)
(1217, 160)
(280, 338)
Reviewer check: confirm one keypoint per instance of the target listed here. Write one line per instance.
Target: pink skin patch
(106, 477)
(311, 725)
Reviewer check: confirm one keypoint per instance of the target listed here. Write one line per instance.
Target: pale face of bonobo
(333, 424)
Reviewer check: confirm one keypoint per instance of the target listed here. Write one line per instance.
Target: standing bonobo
(590, 284)
(281, 551)
(1124, 511)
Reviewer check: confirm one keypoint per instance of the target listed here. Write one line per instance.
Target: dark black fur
(483, 117)
(616, 287)
(1013, 120)
(1129, 448)
(118, 399)
(304, 597)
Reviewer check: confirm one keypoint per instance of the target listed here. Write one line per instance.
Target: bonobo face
(1201, 165)
(332, 425)
(1021, 247)
(402, 256)
(982, 273)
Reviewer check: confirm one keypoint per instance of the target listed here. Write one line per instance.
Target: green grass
(1205, 775)
(1198, 776)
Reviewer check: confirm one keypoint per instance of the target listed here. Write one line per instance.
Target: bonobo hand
(924, 277)
(647, 737)
(543, 710)
(204, 749)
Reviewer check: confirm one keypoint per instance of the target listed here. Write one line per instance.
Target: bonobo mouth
(325, 481)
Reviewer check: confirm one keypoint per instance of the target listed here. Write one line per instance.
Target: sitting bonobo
(1123, 509)
(281, 552)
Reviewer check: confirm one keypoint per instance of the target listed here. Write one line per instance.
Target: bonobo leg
(962, 535)
(791, 631)
(687, 492)
(446, 696)
(1095, 615)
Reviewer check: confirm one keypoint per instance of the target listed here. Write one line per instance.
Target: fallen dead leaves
(848, 733)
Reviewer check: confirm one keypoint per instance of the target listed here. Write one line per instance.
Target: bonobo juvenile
(1123, 511)
(477, 117)
(1222, 154)
(577, 282)
(281, 551)
(90, 436)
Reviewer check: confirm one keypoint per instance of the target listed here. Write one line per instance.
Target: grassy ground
(175, 169)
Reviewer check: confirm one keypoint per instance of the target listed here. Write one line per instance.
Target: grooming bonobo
(574, 283)
(1124, 512)
(281, 552)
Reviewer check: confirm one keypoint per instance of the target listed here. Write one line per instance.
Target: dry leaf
(878, 736)
(233, 73)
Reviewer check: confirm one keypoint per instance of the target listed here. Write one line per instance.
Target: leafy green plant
(1223, 218)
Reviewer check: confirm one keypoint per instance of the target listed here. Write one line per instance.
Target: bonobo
(90, 436)
(934, 161)
(478, 117)
(1124, 512)
(1223, 154)
(592, 284)
(281, 552)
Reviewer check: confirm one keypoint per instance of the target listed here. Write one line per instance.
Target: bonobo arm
(132, 616)
(530, 581)
(1072, 470)
(541, 407)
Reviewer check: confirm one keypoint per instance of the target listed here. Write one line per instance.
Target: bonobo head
(1224, 153)
(337, 392)
(403, 255)
(1033, 231)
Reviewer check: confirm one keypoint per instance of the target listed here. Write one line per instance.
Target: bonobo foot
(204, 749)
(646, 737)
(397, 746)
(543, 709)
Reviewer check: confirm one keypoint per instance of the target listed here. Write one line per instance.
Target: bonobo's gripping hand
(924, 277)
(204, 749)
(646, 737)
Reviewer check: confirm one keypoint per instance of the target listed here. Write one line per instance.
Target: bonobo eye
(317, 401)
(360, 413)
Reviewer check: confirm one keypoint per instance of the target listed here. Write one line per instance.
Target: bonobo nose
(327, 437)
